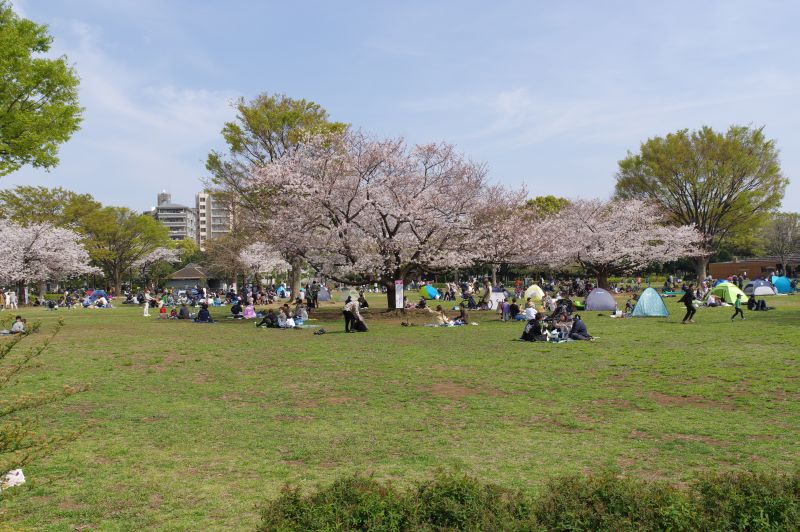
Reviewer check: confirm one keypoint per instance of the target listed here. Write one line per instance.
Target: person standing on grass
(688, 300)
(738, 307)
(146, 303)
(350, 311)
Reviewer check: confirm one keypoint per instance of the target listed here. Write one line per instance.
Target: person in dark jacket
(204, 316)
(579, 330)
(183, 313)
(688, 300)
(533, 330)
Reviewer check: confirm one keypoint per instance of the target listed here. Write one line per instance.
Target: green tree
(265, 129)
(222, 256)
(723, 183)
(781, 236)
(547, 205)
(39, 106)
(189, 250)
(60, 207)
(116, 237)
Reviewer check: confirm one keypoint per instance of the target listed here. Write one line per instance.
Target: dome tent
(534, 292)
(782, 284)
(727, 292)
(323, 294)
(428, 292)
(599, 299)
(759, 287)
(650, 304)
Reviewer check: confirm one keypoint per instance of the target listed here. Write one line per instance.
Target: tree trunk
(390, 295)
(602, 281)
(294, 276)
(42, 290)
(117, 282)
(700, 264)
(494, 275)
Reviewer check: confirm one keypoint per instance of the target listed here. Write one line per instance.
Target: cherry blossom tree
(617, 237)
(259, 257)
(159, 256)
(361, 210)
(40, 252)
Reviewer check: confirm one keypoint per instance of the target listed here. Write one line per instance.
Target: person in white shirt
(19, 326)
(351, 314)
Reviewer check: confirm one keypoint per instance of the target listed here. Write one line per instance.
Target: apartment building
(214, 217)
(180, 220)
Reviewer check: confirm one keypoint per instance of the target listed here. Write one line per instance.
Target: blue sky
(549, 94)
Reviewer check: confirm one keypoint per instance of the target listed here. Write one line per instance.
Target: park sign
(398, 294)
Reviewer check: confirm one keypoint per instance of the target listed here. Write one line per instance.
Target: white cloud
(137, 137)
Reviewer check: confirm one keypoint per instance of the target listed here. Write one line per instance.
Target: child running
(738, 306)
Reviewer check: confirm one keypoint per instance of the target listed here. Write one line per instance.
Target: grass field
(193, 426)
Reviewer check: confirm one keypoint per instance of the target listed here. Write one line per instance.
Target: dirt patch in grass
(70, 505)
(453, 390)
(339, 400)
(689, 400)
(622, 404)
(155, 501)
(695, 438)
(290, 418)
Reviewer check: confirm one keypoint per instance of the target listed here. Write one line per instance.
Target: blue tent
(97, 294)
(428, 292)
(782, 284)
(719, 281)
(650, 304)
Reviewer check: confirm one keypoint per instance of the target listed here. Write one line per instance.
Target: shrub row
(730, 501)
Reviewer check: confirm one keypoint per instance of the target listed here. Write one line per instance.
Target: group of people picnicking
(557, 321)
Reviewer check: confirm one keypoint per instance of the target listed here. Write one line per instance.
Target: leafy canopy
(723, 183)
(39, 106)
(57, 206)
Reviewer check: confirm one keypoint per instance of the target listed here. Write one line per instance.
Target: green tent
(727, 292)
(650, 304)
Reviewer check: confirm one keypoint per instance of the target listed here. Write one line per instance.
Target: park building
(214, 217)
(180, 220)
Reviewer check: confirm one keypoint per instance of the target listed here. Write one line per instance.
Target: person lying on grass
(270, 320)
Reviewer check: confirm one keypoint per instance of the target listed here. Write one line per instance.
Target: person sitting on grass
(204, 316)
(422, 303)
(285, 319)
(173, 314)
(269, 321)
(514, 311)
(249, 312)
(441, 318)
(533, 329)
(579, 330)
(162, 312)
(19, 326)
(183, 313)
(462, 318)
(713, 301)
(236, 309)
(564, 325)
(300, 311)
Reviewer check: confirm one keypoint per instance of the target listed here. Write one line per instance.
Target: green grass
(193, 426)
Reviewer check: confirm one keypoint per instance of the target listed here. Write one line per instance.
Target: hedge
(729, 501)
